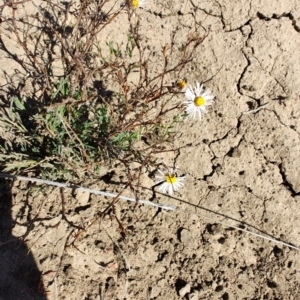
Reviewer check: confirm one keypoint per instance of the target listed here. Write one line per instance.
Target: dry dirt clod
(193, 296)
(185, 290)
(185, 236)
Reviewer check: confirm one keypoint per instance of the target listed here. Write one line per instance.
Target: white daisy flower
(171, 182)
(197, 100)
(135, 4)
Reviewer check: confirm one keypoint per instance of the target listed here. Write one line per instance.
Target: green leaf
(19, 103)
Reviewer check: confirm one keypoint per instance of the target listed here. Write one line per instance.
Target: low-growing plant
(92, 101)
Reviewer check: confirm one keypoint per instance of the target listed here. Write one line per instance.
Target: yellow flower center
(199, 101)
(181, 84)
(135, 4)
(170, 178)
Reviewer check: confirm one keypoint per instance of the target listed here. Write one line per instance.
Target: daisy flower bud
(180, 84)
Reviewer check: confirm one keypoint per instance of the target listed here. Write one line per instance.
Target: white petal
(199, 88)
(189, 94)
(170, 189)
(163, 187)
(209, 102)
(159, 180)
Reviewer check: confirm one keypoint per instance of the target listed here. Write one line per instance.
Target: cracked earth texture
(245, 167)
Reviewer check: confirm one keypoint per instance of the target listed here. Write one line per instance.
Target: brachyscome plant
(93, 101)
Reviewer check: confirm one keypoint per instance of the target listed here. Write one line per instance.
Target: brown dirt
(245, 167)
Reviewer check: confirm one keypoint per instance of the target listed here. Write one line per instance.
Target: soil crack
(285, 182)
(278, 17)
(239, 82)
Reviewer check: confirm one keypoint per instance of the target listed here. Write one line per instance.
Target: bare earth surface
(245, 167)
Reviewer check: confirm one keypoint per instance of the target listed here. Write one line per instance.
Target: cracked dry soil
(244, 167)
